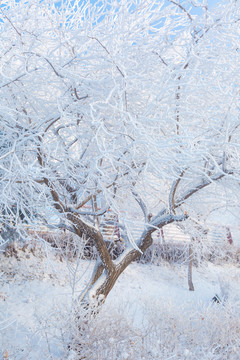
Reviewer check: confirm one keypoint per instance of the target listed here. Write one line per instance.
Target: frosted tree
(131, 106)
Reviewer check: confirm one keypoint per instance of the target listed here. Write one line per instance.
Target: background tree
(129, 106)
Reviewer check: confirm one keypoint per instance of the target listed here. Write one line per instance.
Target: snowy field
(150, 313)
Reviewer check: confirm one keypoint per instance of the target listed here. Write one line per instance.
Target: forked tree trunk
(107, 271)
(103, 280)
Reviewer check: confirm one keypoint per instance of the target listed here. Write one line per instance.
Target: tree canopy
(131, 106)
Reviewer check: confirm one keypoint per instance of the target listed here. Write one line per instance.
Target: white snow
(36, 294)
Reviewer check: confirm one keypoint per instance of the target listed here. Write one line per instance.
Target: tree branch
(173, 192)
(203, 184)
(140, 203)
(81, 229)
(79, 98)
(48, 61)
(145, 241)
(89, 213)
(182, 8)
(57, 202)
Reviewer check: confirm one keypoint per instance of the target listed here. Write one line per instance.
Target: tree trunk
(92, 298)
(103, 280)
(107, 271)
(190, 263)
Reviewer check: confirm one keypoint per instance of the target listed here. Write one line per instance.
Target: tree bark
(190, 264)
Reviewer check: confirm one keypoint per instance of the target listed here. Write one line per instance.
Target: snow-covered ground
(150, 313)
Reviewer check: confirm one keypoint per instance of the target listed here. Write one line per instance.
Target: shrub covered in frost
(166, 331)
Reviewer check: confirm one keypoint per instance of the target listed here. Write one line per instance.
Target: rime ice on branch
(133, 108)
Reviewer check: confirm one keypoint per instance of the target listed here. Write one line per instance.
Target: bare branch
(48, 61)
(81, 228)
(85, 201)
(104, 47)
(200, 186)
(182, 8)
(52, 123)
(89, 213)
(14, 27)
(173, 192)
(57, 203)
(12, 81)
(79, 98)
(160, 57)
(140, 203)
(145, 240)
